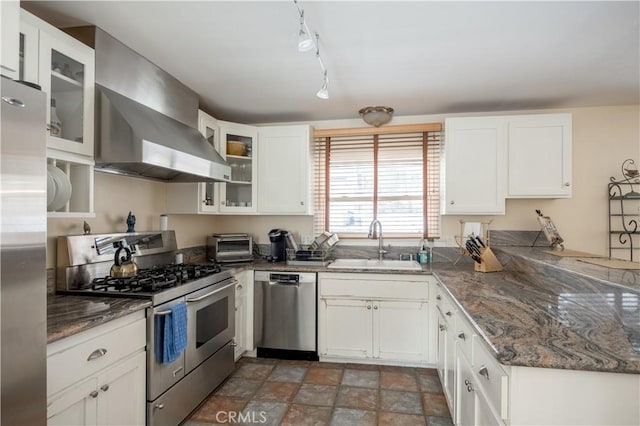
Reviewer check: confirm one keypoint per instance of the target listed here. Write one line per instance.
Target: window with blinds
(392, 176)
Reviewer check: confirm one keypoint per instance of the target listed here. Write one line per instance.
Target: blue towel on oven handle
(174, 339)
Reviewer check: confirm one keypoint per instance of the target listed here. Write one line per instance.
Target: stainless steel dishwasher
(285, 315)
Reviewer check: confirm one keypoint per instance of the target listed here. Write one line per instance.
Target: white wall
(603, 137)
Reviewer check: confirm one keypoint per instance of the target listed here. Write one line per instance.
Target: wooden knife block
(490, 262)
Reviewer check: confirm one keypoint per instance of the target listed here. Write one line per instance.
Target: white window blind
(393, 177)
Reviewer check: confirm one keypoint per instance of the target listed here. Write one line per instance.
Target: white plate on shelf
(63, 188)
(51, 189)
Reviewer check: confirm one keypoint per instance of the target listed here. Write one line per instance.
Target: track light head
(323, 93)
(304, 40)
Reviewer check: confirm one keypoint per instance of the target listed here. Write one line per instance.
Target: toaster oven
(230, 248)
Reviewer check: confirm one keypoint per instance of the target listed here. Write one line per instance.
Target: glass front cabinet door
(66, 74)
(239, 147)
(209, 191)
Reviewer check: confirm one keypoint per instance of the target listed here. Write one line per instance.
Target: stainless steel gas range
(174, 389)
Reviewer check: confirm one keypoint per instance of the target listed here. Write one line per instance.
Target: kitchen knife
(472, 248)
(481, 243)
(474, 245)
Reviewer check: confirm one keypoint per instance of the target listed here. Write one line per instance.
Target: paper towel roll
(164, 222)
(474, 228)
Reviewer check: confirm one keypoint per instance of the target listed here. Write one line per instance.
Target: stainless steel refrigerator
(23, 229)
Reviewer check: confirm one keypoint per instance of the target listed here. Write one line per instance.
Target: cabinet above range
(490, 159)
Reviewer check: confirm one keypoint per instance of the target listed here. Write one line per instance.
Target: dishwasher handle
(284, 279)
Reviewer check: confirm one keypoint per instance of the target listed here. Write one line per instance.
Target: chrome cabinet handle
(484, 372)
(442, 327)
(204, 296)
(452, 202)
(93, 394)
(239, 287)
(97, 354)
(448, 313)
(469, 388)
(233, 344)
(567, 184)
(175, 372)
(368, 306)
(13, 101)
(104, 388)
(462, 336)
(375, 307)
(438, 297)
(159, 406)
(467, 382)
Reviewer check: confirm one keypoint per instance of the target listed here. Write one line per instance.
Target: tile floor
(279, 392)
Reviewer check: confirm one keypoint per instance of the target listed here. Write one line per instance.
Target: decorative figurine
(87, 228)
(131, 222)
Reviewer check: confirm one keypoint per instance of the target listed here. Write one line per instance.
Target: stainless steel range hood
(146, 119)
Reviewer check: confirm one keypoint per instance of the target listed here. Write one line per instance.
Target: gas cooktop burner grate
(154, 279)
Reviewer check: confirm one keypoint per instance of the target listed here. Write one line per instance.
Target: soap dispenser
(423, 254)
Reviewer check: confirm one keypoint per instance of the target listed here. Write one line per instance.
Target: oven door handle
(204, 296)
(162, 313)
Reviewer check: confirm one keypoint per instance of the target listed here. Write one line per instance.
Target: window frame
(432, 143)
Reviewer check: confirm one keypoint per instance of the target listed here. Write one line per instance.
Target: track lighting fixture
(304, 39)
(323, 93)
(306, 43)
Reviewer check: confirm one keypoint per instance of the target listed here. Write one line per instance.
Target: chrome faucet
(372, 227)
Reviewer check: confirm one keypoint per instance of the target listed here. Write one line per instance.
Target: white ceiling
(417, 57)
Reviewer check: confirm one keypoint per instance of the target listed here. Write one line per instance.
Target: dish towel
(174, 334)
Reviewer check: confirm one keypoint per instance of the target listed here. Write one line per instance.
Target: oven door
(210, 321)
(160, 377)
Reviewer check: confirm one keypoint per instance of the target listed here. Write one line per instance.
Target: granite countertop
(629, 279)
(535, 320)
(263, 265)
(542, 311)
(70, 314)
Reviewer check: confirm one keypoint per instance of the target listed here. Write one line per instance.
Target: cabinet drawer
(93, 350)
(375, 289)
(447, 308)
(464, 336)
(492, 378)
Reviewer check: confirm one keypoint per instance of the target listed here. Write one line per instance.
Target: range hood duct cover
(139, 141)
(145, 118)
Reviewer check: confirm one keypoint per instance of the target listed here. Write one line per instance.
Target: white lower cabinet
(374, 317)
(97, 377)
(243, 339)
(482, 391)
(354, 341)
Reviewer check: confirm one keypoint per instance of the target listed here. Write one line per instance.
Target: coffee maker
(277, 252)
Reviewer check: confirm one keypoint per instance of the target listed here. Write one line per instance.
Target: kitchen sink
(385, 264)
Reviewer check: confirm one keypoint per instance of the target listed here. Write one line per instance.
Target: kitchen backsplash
(518, 238)
(198, 254)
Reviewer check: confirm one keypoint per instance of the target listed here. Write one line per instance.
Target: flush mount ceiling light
(376, 115)
(305, 44)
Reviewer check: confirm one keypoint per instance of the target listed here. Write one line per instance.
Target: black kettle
(123, 266)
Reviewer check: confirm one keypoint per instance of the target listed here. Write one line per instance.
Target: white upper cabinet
(238, 145)
(284, 170)
(9, 19)
(197, 198)
(474, 166)
(489, 159)
(65, 69)
(539, 149)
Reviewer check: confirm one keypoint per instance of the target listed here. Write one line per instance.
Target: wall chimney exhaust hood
(146, 120)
